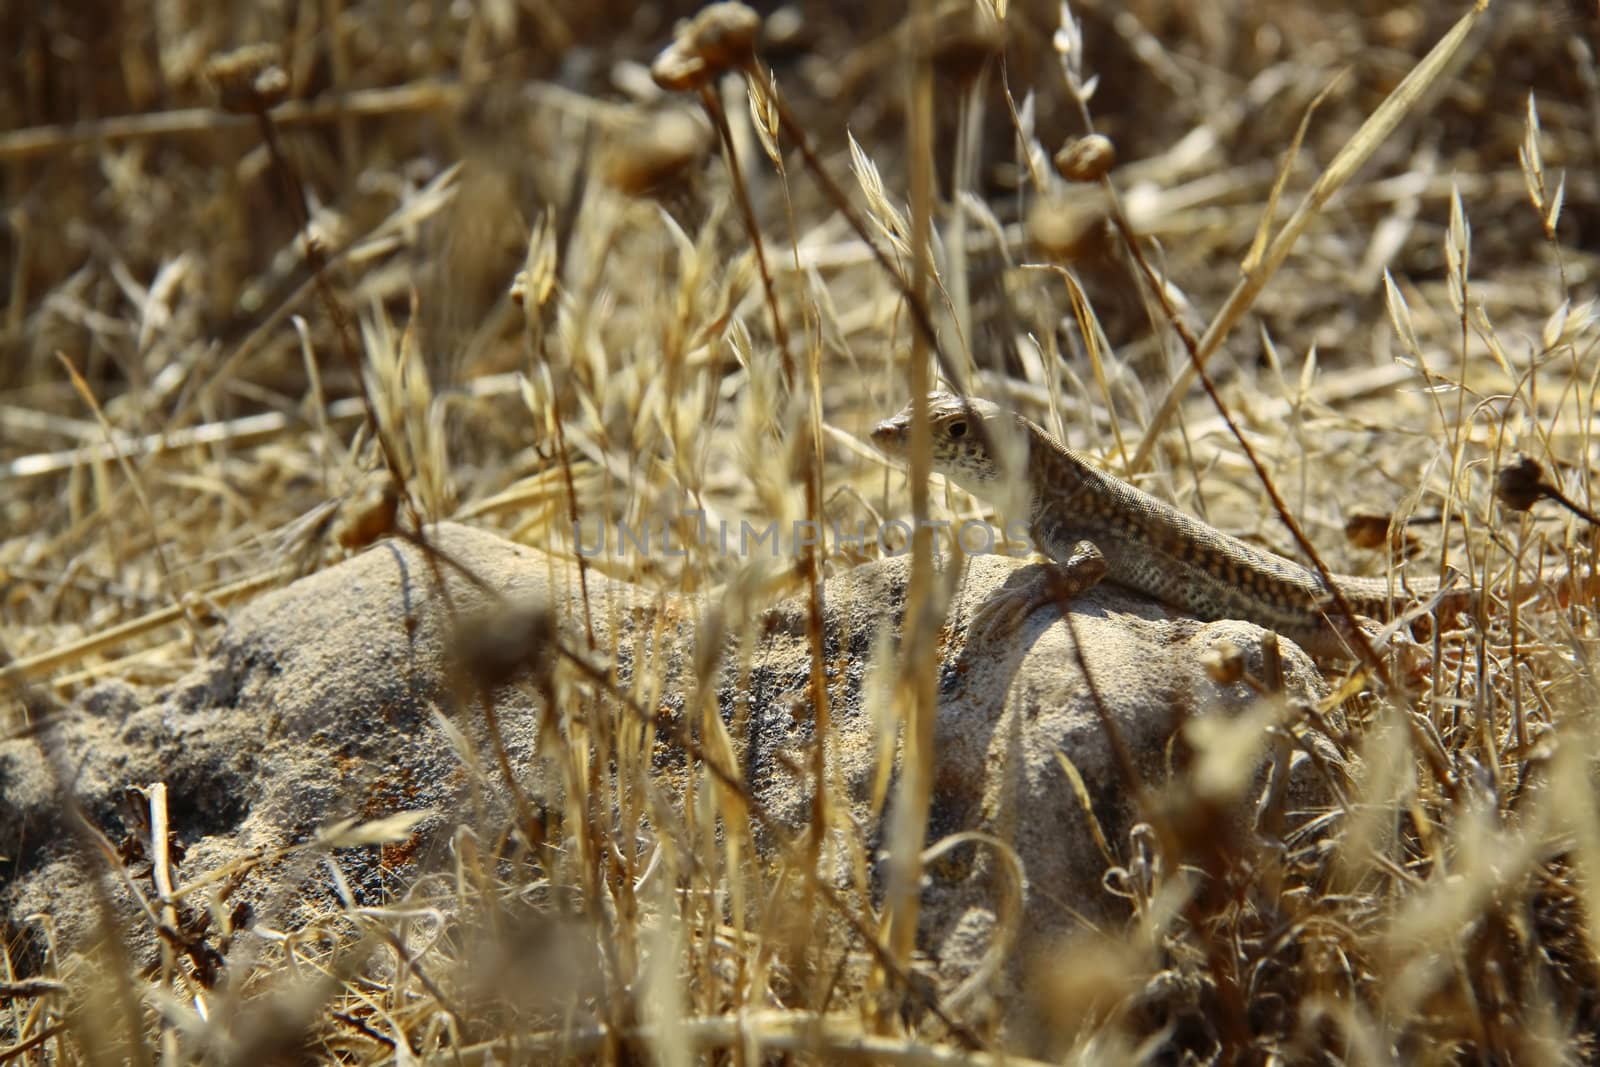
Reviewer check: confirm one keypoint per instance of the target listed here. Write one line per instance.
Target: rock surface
(328, 699)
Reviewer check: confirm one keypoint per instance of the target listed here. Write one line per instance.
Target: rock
(333, 698)
(1012, 707)
(318, 703)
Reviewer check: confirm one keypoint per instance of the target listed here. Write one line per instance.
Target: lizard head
(964, 439)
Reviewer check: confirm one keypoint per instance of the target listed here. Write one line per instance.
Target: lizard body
(1147, 544)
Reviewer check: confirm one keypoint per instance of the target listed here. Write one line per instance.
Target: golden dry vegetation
(255, 256)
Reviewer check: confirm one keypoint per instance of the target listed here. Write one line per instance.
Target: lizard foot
(1056, 582)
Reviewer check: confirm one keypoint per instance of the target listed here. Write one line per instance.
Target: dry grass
(1376, 255)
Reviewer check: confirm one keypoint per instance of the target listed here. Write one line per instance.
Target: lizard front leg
(1055, 582)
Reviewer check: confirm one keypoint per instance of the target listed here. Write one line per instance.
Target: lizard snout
(887, 433)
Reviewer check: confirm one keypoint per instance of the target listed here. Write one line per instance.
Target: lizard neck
(1058, 475)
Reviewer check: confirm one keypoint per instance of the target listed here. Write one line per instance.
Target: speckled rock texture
(329, 699)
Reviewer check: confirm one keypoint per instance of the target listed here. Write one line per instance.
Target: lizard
(1095, 526)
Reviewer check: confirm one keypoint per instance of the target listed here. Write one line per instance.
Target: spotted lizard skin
(1149, 546)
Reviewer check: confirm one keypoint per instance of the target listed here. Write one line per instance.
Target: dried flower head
(508, 642)
(719, 37)
(655, 152)
(1070, 230)
(1223, 662)
(248, 79)
(963, 48)
(1367, 529)
(1520, 484)
(1376, 529)
(1087, 159)
(369, 513)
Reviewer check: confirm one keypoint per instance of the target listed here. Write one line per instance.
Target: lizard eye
(957, 430)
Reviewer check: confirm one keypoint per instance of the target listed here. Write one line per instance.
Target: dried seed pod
(1520, 484)
(505, 643)
(787, 31)
(655, 152)
(1070, 230)
(719, 36)
(962, 49)
(1223, 662)
(1375, 529)
(1087, 159)
(1367, 529)
(248, 79)
(724, 35)
(676, 71)
(370, 513)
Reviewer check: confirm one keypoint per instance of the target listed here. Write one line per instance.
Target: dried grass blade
(1356, 152)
